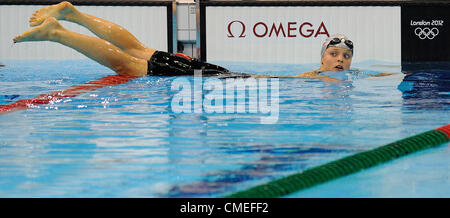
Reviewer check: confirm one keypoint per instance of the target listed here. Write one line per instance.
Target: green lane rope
(347, 165)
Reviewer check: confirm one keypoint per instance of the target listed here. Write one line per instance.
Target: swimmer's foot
(44, 32)
(61, 11)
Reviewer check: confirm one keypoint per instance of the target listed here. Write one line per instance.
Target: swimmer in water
(116, 48)
(337, 53)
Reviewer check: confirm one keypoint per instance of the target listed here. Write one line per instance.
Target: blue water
(126, 140)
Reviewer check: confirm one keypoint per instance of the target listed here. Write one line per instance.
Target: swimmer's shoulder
(309, 74)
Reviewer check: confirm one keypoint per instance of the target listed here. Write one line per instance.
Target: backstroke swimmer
(119, 50)
(116, 48)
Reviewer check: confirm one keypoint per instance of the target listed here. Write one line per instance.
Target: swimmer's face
(336, 59)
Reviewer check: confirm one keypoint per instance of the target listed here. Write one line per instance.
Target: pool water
(126, 140)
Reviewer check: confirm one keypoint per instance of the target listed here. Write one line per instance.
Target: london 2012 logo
(427, 29)
(426, 33)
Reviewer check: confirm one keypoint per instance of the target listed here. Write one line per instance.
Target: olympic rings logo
(426, 32)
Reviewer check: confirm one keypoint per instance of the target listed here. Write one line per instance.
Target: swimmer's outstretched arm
(381, 74)
(312, 75)
(104, 29)
(315, 75)
(282, 76)
(97, 49)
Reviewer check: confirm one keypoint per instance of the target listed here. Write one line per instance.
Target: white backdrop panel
(375, 32)
(147, 23)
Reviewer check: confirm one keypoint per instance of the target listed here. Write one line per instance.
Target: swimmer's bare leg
(104, 29)
(97, 49)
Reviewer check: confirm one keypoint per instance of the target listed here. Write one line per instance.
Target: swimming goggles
(336, 41)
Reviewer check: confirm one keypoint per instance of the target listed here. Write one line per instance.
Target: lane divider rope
(347, 165)
(69, 92)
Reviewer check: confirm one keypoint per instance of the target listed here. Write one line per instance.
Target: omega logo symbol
(426, 32)
(230, 35)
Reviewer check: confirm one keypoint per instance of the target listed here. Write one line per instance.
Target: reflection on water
(426, 89)
(283, 159)
(125, 141)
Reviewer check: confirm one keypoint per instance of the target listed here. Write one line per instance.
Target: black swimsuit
(167, 64)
